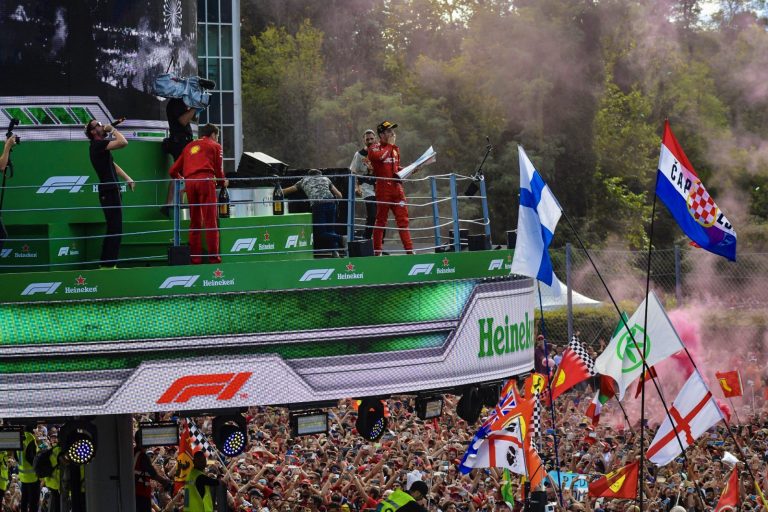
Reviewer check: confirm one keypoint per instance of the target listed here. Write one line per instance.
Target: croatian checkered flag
(198, 440)
(575, 366)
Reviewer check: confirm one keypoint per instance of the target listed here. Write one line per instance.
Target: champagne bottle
(223, 203)
(277, 199)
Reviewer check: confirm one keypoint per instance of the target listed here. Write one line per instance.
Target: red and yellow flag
(621, 483)
(729, 499)
(730, 383)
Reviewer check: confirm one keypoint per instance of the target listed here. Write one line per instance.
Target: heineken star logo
(509, 257)
(266, 236)
(80, 280)
(350, 267)
(626, 348)
(25, 248)
(446, 262)
(218, 273)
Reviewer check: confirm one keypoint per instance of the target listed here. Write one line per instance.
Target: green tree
(283, 79)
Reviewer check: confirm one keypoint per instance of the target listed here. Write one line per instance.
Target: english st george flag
(682, 192)
(694, 411)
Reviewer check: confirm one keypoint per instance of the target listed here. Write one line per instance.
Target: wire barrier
(434, 221)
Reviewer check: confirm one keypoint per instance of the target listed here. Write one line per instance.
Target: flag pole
(549, 390)
(734, 410)
(623, 320)
(643, 354)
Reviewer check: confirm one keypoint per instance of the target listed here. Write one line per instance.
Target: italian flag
(606, 392)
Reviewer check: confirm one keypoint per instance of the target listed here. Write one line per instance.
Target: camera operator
(180, 117)
(109, 188)
(9, 143)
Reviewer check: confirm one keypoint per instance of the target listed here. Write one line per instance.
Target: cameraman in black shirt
(180, 118)
(9, 143)
(109, 187)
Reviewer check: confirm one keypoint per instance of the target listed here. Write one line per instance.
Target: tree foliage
(584, 86)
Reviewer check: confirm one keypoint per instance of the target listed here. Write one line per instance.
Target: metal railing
(434, 220)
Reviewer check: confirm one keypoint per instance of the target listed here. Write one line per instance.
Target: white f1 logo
(185, 281)
(322, 274)
(63, 251)
(293, 241)
(5, 253)
(243, 244)
(421, 268)
(496, 264)
(46, 288)
(71, 183)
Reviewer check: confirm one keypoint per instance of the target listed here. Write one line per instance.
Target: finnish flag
(536, 221)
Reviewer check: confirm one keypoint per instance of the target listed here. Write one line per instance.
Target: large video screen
(112, 49)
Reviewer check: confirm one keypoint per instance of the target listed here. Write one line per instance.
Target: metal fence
(682, 276)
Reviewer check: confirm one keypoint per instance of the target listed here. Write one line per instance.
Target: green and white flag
(621, 359)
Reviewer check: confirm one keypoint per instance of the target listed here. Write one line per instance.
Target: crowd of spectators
(341, 471)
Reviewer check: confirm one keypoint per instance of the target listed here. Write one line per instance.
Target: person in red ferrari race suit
(385, 159)
(200, 164)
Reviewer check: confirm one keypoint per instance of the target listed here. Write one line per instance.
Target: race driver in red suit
(385, 159)
(200, 164)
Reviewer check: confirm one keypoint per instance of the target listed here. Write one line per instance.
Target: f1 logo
(185, 281)
(63, 251)
(221, 385)
(46, 288)
(70, 183)
(243, 244)
(5, 253)
(323, 274)
(496, 265)
(292, 241)
(421, 268)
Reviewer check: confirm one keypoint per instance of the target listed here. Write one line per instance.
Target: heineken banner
(305, 335)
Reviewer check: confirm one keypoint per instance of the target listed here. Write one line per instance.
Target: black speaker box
(179, 255)
(481, 242)
(360, 248)
(538, 501)
(511, 239)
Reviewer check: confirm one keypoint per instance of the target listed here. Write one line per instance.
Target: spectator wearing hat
(385, 159)
(401, 501)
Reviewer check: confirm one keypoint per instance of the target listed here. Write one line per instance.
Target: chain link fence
(682, 277)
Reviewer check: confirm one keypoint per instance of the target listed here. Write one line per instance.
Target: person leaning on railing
(321, 192)
(109, 187)
(201, 166)
(9, 143)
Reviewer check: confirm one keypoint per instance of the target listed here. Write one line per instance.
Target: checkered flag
(536, 417)
(198, 440)
(575, 366)
(582, 354)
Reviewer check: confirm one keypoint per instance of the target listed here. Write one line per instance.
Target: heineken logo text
(504, 338)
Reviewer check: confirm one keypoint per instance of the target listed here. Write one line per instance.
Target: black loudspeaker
(481, 242)
(360, 248)
(179, 255)
(511, 239)
(463, 236)
(538, 501)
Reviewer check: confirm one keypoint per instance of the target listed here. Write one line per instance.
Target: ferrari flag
(682, 192)
(621, 483)
(576, 366)
(730, 383)
(729, 499)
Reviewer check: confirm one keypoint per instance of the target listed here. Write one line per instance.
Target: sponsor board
(218, 280)
(243, 244)
(185, 281)
(350, 273)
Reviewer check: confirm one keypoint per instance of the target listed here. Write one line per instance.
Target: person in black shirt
(109, 187)
(180, 118)
(9, 143)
